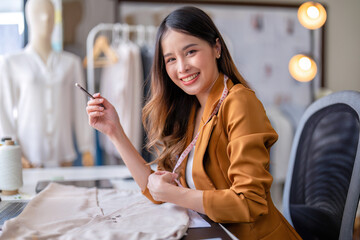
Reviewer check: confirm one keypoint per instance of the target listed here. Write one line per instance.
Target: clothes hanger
(103, 55)
(140, 35)
(116, 39)
(150, 35)
(126, 33)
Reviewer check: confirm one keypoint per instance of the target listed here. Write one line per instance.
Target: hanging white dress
(280, 152)
(122, 84)
(42, 109)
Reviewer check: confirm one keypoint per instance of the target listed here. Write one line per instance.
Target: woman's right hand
(106, 120)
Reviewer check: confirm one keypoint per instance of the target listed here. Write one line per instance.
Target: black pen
(85, 91)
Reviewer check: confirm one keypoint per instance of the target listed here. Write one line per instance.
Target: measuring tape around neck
(193, 142)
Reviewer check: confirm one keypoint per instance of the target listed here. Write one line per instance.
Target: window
(12, 26)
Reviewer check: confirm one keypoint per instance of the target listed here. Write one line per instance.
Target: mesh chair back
(321, 167)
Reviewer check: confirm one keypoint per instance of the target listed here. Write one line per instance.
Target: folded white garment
(68, 212)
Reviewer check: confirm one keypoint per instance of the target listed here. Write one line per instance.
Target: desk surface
(33, 175)
(117, 174)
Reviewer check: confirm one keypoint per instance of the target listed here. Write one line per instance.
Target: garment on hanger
(280, 152)
(122, 84)
(103, 55)
(147, 56)
(41, 108)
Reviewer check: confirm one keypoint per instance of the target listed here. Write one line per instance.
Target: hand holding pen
(104, 119)
(85, 91)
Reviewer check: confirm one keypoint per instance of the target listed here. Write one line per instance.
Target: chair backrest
(322, 187)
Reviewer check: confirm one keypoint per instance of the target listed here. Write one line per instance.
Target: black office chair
(322, 187)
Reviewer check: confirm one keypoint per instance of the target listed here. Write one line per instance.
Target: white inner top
(189, 166)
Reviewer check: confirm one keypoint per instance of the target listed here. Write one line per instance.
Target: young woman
(211, 132)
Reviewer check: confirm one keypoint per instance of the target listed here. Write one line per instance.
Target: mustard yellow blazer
(231, 165)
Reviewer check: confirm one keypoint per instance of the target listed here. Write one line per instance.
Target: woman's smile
(190, 79)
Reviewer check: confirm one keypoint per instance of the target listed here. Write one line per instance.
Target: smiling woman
(188, 65)
(202, 107)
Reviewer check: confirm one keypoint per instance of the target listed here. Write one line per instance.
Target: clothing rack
(142, 33)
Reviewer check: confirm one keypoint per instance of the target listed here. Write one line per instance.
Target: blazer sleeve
(250, 136)
(147, 194)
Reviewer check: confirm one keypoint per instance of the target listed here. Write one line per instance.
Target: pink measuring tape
(193, 142)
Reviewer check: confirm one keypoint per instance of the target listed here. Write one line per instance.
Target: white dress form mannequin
(40, 19)
(40, 78)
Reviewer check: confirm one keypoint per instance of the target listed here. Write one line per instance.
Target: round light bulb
(305, 63)
(302, 68)
(312, 15)
(313, 12)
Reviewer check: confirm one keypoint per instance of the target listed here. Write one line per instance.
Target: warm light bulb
(305, 63)
(302, 68)
(312, 15)
(313, 12)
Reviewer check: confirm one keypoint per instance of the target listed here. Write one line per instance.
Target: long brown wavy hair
(166, 114)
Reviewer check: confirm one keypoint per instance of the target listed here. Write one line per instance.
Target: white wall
(343, 44)
(93, 13)
(342, 63)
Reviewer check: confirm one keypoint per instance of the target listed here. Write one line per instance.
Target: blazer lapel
(201, 179)
(189, 135)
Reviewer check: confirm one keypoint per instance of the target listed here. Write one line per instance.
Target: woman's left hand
(160, 183)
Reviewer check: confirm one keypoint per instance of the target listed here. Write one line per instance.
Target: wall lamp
(303, 67)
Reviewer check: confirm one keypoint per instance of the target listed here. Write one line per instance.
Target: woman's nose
(183, 66)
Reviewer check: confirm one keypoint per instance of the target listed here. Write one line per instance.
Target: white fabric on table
(67, 212)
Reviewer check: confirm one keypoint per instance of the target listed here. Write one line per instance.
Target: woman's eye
(170, 60)
(190, 52)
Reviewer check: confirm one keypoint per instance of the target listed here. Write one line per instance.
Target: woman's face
(190, 63)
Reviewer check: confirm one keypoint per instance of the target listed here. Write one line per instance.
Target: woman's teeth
(190, 78)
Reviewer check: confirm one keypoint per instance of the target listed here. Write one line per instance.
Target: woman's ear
(218, 48)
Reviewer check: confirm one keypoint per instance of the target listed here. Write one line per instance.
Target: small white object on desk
(10, 168)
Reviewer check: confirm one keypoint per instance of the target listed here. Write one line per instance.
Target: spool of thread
(10, 168)
(3, 139)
